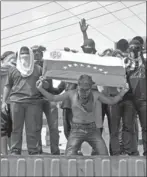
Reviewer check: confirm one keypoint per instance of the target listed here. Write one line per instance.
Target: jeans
(140, 106)
(28, 113)
(52, 120)
(134, 138)
(85, 132)
(67, 120)
(126, 111)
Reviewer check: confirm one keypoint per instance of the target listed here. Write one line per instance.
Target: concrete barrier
(72, 166)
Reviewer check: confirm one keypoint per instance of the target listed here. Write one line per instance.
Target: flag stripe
(99, 79)
(68, 66)
(78, 66)
(58, 55)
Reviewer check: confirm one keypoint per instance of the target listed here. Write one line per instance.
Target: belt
(81, 125)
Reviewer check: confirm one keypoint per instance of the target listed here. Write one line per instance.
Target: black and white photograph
(73, 88)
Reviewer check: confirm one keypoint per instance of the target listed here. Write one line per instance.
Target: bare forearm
(85, 36)
(115, 99)
(47, 95)
(6, 93)
(111, 100)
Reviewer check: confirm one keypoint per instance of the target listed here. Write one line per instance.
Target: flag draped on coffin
(68, 66)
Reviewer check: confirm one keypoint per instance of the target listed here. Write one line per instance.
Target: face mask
(87, 50)
(25, 59)
(134, 51)
(84, 92)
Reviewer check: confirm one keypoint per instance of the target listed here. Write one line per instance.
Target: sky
(55, 24)
(109, 21)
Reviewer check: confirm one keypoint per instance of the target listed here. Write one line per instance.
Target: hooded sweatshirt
(137, 81)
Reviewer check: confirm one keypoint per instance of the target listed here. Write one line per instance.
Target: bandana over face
(25, 61)
(84, 93)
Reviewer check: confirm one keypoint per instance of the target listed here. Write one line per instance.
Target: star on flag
(88, 66)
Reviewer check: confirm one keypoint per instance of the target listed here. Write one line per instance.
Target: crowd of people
(26, 95)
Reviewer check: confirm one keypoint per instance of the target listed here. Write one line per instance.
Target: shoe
(80, 153)
(15, 153)
(134, 154)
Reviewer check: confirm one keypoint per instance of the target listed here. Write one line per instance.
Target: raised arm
(50, 96)
(112, 100)
(84, 27)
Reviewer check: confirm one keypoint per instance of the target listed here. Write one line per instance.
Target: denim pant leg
(33, 112)
(120, 136)
(67, 119)
(115, 112)
(18, 116)
(47, 111)
(94, 138)
(135, 138)
(75, 140)
(141, 109)
(128, 119)
(54, 132)
(52, 120)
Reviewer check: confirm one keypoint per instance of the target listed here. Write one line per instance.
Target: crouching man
(83, 104)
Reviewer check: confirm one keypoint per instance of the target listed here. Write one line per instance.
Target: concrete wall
(73, 166)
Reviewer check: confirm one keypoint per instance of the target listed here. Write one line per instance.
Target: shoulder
(13, 70)
(36, 66)
(71, 93)
(95, 94)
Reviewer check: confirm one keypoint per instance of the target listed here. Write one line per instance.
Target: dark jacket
(6, 123)
(137, 81)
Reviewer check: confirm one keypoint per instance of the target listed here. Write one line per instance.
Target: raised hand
(83, 25)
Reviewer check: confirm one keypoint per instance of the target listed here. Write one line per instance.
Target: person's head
(89, 46)
(24, 56)
(8, 58)
(84, 87)
(140, 39)
(38, 52)
(135, 49)
(122, 45)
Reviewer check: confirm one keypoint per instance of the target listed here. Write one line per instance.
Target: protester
(125, 110)
(89, 48)
(137, 81)
(25, 101)
(83, 101)
(8, 59)
(51, 114)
